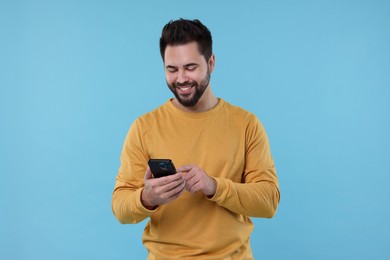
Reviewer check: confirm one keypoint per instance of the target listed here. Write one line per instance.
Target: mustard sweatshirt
(231, 146)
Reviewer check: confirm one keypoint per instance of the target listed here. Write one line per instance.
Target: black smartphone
(161, 167)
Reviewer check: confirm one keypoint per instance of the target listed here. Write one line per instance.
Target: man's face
(187, 72)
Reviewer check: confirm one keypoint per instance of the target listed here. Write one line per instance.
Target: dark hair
(185, 31)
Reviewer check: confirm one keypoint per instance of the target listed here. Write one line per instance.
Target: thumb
(148, 174)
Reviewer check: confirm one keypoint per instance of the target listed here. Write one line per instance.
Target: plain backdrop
(75, 74)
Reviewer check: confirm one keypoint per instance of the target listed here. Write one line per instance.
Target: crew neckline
(193, 115)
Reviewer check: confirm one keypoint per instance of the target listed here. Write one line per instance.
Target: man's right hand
(159, 191)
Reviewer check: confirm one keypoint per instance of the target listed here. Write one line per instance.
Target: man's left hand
(196, 179)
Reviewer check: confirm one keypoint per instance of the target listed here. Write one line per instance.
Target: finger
(172, 185)
(177, 191)
(148, 174)
(195, 188)
(192, 177)
(192, 184)
(168, 179)
(185, 168)
(190, 180)
(190, 174)
(172, 194)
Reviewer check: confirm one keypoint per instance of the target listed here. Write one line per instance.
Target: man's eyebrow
(190, 65)
(185, 66)
(170, 67)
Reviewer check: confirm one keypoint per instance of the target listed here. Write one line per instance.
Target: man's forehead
(182, 54)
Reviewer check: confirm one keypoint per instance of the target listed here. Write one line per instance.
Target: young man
(226, 172)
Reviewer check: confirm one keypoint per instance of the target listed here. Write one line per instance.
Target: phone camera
(163, 165)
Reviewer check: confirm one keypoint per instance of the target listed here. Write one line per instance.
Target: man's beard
(192, 100)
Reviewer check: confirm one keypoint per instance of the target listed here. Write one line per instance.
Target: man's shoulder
(243, 118)
(152, 115)
(239, 112)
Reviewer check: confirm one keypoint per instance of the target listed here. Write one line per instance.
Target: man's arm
(137, 194)
(126, 198)
(258, 195)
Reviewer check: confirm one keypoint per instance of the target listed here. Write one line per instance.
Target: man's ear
(211, 63)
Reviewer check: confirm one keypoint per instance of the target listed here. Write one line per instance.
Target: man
(226, 172)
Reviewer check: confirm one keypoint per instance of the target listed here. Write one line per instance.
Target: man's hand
(196, 179)
(159, 191)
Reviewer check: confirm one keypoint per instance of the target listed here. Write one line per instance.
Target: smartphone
(161, 167)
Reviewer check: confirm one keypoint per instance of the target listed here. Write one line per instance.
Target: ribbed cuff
(141, 207)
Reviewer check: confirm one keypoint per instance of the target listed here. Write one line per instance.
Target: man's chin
(187, 103)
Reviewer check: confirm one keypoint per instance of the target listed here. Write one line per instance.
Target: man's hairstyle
(184, 31)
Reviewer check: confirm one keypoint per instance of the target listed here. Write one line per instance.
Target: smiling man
(226, 173)
(188, 77)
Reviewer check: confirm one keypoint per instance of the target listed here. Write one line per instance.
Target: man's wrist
(145, 203)
(213, 189)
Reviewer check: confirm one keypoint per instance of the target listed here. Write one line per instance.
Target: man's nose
(181, 76)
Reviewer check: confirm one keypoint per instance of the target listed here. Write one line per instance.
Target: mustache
(184, 84)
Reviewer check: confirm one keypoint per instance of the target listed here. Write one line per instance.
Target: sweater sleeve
(126, 197)
(258, 194)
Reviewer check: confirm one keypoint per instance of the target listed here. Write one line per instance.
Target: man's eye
(192, 68)
(171, 70)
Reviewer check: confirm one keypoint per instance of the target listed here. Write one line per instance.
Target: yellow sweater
(231, 146)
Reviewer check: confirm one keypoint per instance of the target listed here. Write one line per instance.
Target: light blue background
(75, 74)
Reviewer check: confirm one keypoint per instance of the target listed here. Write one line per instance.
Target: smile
(184, 90)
